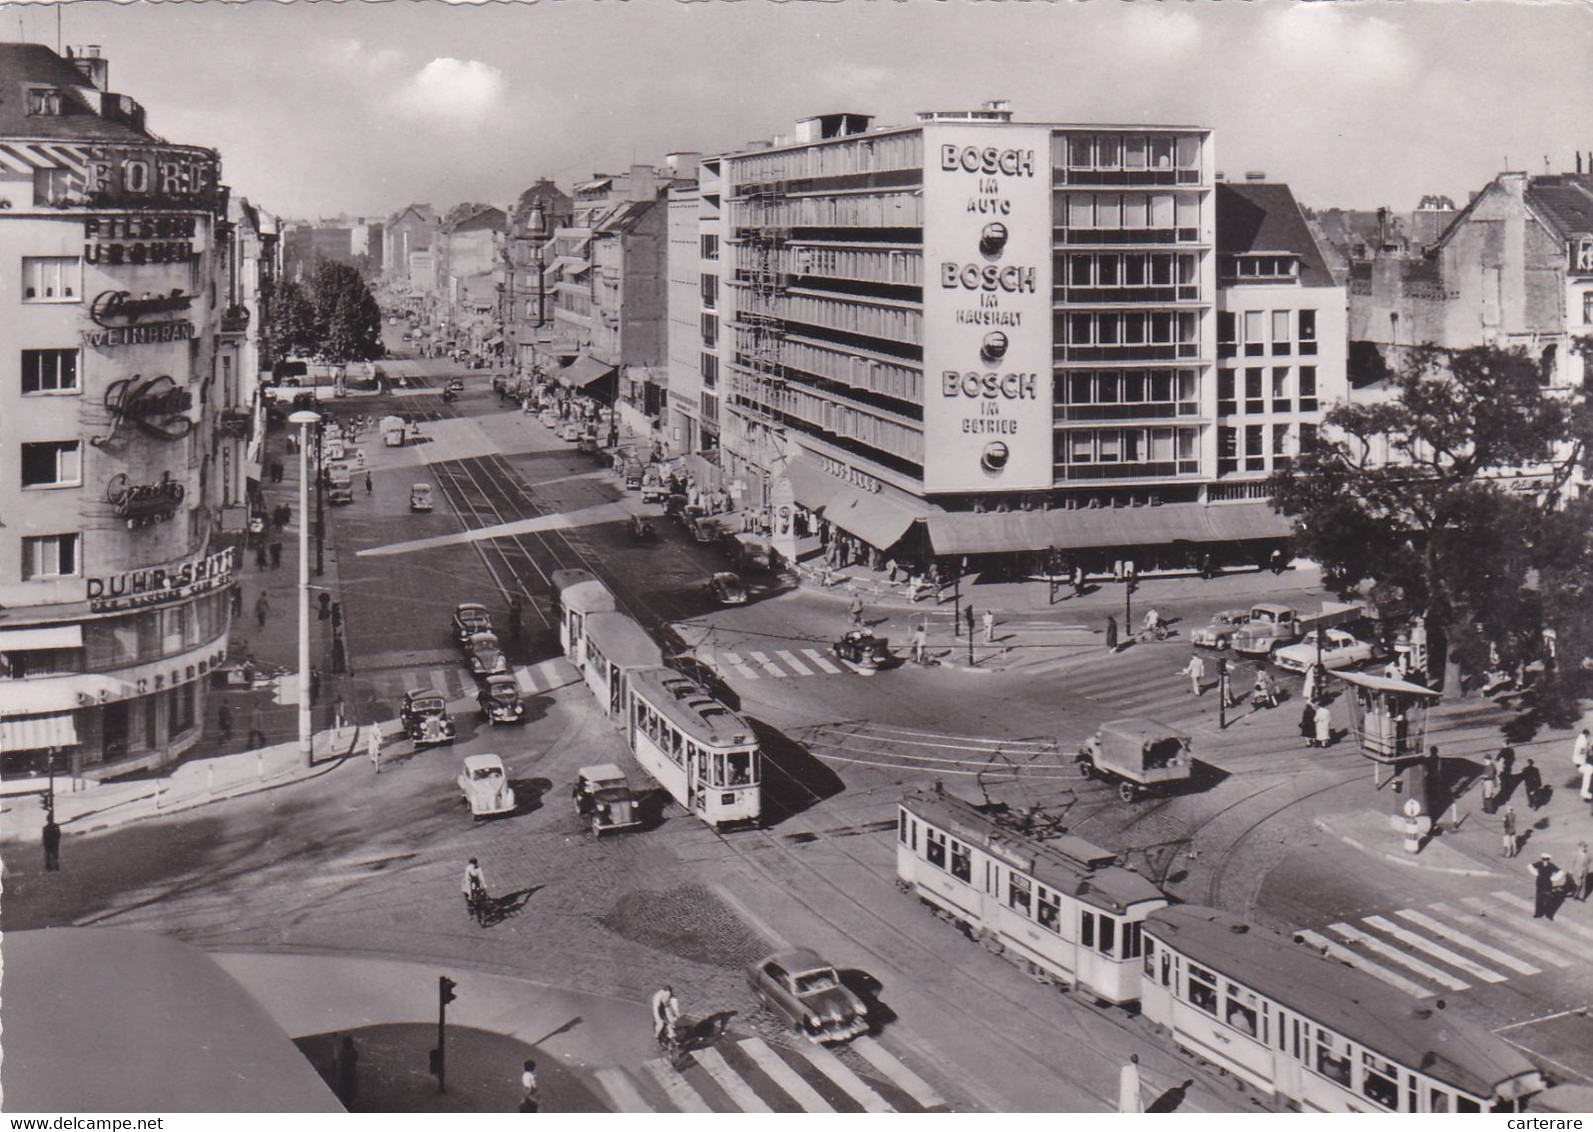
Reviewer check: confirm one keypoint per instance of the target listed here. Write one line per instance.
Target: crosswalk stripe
(1357, 960)
(730, 1081)
(897, 1073)
(676, 1088)
(1437, 927)
(775, 1068)
(790, 659)
(1517, 928)
(1526, 906)
(853, 1085)
(1426, 970)
(739, 665)
(621, 1093)
(821, 661)
(1436, 950)
(769, 666)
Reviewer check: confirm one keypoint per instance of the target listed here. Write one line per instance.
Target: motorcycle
(449, 396)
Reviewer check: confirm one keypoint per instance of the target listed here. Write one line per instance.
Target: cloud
(1341, 36)
(353, 55)
(456, 91)
(1162, 31)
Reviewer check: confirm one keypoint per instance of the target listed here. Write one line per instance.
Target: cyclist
(666, 1013)
(1153, 624)
(474, 887)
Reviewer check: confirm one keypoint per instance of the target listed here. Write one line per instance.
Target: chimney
(91, 64)
(1255, 174)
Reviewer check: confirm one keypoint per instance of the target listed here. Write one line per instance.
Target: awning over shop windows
(37, 733)
(874, 517)
(1237, 522)
(813, 487)
(42, 637)
(583, 371)
(996, 533)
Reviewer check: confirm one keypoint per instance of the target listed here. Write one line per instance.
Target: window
(1226, 403)
(961, 862)
(1255, 454)
(1334, 1064)
(52, 186)
(49, 371)
(710, 247)
(1202, 989)
(1133, 940)
(1308, 332)
(49, 556)
(710, 291)
(1280, 332)
(710, 370)
(1149, 966)
(1587, 308)
(1227, 450)
(1308, 389)
(51, 278)
(52, 464)
(1018, 893)
(1380, 1081)
(1108, 941)
(1254, 327)
(1253, 399)
(1242, 1010)
(710, 330)
(1280, 389)
(1280, 441)
(1438, 1101)
(1049, 912)
(935, 848)
(901, 833)
(1086, 929)
(44, 102)
(1227, 334)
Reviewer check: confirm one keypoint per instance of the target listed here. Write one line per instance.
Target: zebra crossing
(456, 682)
(1477, 940)
(771, 663)
(751, 1075)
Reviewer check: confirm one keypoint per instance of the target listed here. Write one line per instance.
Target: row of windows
(1128, 210)
(1257, 267)
(823, 413)
(110, 643)
(870, 266)
(890, 324)
(885, 378)
(1259, 455)
(1130, 387)
(870, 210)
(1130, 328)
(1257, 389)
(1132, 269)
(1127, 446)
(1283, 329)
(866, 155)
(1126, 151)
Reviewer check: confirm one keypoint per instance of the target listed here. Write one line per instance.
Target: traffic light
(445, 989)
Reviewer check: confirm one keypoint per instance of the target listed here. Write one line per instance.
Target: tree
(1451, 496)
(333, 315)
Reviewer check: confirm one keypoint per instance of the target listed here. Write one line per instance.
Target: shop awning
(583, 371)
(998, 533)
(963, 532)
(812, 486)
(42, 637)
(874, 517)
(1237, 522)
(37, 732)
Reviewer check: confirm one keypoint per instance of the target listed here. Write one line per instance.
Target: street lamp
(305, 419)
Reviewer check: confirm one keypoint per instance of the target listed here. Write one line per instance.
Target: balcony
(235, 320)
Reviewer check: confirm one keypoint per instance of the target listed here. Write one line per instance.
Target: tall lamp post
(306, 420)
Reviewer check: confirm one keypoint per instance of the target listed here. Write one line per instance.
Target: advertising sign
(157, 585)
(987, 309)
(151, 175)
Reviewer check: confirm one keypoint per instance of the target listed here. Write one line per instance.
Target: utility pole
(445, 995)
(1129, 586)
(1222, 693)
(320, 501)
(956, 608)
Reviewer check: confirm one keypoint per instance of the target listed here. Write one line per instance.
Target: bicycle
(478, 903)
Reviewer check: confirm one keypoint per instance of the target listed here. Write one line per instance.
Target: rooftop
(1262, 217)
(29, 66)
(1565, 201)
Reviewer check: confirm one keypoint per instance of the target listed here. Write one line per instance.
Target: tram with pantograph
(699, 750)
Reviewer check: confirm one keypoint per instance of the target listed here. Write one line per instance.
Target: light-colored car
(1218, 633)
(485, 786)
(808, 993)
(1267, 627)
(549, 417)
(486, 655)
(570, 430)
(1339, 650)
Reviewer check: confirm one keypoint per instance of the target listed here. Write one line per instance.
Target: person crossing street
(1196, 671)
(474, 887)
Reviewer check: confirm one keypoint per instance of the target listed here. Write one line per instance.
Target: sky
(361, 108)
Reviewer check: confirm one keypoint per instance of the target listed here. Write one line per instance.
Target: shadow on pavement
(793, 780)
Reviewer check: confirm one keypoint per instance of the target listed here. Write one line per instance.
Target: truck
(1267, 627)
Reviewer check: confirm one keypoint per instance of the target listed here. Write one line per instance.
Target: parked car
(642, 528)
(499, 698)
(725, 588)
(653, 489)
(1339, 650)
(424, 715)
(470, 618)
(602, 795)
(549, 417)
(807, 992)
(485, 786)
(455, 385)
(485, 655)
(570, 430)
(702, 529)
(1138, 755)
(863, 648)
(420, 497)
(1267, 627)
(1218, 634)
(632, 476)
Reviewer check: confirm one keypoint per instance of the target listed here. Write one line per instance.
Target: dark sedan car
(808, 993)
(725, 588)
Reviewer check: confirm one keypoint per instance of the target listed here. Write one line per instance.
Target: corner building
(114, 575)
(978, 337)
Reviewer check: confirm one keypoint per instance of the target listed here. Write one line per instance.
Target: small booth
(1388, 719)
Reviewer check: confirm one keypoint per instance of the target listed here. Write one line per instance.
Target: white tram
(1061, 907)
(1319, 1035)
(699, 750)
(616, 646)
(580, 595)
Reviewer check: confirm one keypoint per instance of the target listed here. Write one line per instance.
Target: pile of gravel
(689, 921)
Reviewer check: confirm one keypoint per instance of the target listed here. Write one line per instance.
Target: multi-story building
(246, 275)
(526, 306)
(115, 576)
(468, 260)
(409, 241)
(977, 336)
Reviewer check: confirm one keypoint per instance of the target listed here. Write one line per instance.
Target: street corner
(1383, 835)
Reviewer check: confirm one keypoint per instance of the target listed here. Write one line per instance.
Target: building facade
(115, 576)
(409, 258)
(526, 306)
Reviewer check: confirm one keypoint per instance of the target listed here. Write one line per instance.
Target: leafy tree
(333, 315)
(1451, 496)
(292, 330)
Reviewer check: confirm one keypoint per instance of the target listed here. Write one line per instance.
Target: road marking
(1427, 970)
(1526, 906)
(1436, 950)
(1502, 958)
(821, 661)
(730, 1081)
(775, 1068)
(769, 666)
(896, 1072)
(1360, 962)
(676, 1088)
(622, 1094)
(738, 664)
(853, 1085)
(796, 665)
(1504, 930)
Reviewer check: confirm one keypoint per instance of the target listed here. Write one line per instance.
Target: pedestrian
(1324, 725)
(315, 684)
(224, 723)
(920, 637)
(1511, 845)
(338, 719)
(1579, 871)
(890, 571)
(276, 556)
(968, 614)
(368, 487)
(257, 735)
(1543, 870)
(347, 1072)
(1078, 581)
(1587, 780)
(530, 1099)
(262, 608)
(1490, 795)
(373, 747)
(1196, 671)
(666, 1012)
(1275, 560)
(52, 843)
(857, 610)
(260, 553)
(1581, 749)
(1111, 633)
(990, 627)
(1308, 723)
(1507, 762)
(1311, 685)
(1207, 571)
(1129, 1097)
(514, 618)
(237, 601)
(1532, 783)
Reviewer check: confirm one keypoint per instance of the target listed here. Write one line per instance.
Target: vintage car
(1218, 633)
(485, 786)
(420, 497)
(642, 528)
(703, 530)
(1339, 650)
(808, 993)
(603, 798)
(653, 488)
(570, 430)
(632, 475)
(1267, 627)
(424, 715)
(455, 385)
(725, 588)
(470, 618)
(863, 648)
(1138, 755)
(549, 417)
(499, 698)
(485, 655)
(587, 443)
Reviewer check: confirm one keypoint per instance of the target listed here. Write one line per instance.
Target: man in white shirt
(666, 1010)
(1581, 748)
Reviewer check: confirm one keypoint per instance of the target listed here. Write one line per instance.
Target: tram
(699, 750)
(580, 594)
(616, 646)
(1062, 908)
(1321, 1036)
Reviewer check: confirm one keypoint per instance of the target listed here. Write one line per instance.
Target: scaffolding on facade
(761, 303)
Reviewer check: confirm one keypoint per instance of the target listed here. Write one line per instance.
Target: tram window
(719, 770)
(901, 830)
(675, 744)
(1437, 1101)
(1150, 959)
(1087, 929)
(1283, 1032)
(1018, 893)
(935, 848)
(1241, 1010)
(1466, 1104)
(1108, 934)
(1050, 911)
(1331, 1067)
(1167, 969)
(1202, 989)
(1133, 940)
(1380, 1081)
(740, 763)
(961, 862)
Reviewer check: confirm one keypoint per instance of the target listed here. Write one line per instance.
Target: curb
(1399, 859)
